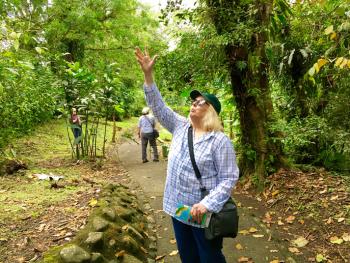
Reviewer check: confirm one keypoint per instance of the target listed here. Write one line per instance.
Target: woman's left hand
(197, 212)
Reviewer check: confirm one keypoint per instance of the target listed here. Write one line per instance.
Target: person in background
(215, 158)
(75, 119)
(145, 132)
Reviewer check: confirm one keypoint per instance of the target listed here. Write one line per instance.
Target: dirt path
(260, 246)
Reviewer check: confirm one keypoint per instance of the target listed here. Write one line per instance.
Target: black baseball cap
(210, 98)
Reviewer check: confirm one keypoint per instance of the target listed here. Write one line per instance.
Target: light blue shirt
(214, 155)
(146, 124)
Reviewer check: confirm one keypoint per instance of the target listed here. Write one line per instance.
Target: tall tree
(245, 27)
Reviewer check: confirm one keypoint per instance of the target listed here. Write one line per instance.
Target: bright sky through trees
(156, 5)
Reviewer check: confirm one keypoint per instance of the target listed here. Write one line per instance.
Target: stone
(94, 238)
(108, 213)
(74, 254)
(147, 207)
(124, 213)
(130, 259)
(150, 220)
(126, 199)
(112, 242)
(153, 246)
(135, 234)
(100, 224)
(97, 258)
(149, 260)
(153, 238)
(131, 244)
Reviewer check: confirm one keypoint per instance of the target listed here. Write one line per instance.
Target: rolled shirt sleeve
(166, 116)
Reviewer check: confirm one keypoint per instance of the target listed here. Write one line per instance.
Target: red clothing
(75, 119)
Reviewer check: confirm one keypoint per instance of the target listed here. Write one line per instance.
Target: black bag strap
(152, 124)
(193, 161)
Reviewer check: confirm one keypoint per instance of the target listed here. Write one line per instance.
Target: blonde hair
(211, 121)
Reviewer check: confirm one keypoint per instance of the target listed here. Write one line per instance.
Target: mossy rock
(74, 254)
(106, 233)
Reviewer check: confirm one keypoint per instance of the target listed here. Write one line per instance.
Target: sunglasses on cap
(199, 103)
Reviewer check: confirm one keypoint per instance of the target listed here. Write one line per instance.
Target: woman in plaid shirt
(215, 158)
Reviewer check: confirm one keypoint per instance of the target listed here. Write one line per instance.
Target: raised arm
(166, 116)
(146, 64)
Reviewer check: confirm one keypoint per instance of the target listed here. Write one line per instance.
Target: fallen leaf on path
(275, 261)
(253, 230)
(258, 236)
(172, 241)
(334, 197)
(275, 192)
(290, 219)
(21, 259)
(280, 223)
(323, 191)
(300, 242)
(244, 232)
(160, 257)
(244, 259)
(320, 258)
(294, 250)
(329, 221)
(239, 246)
(93, 202)
(120, 254)
(340, 219)
(273, 250)
(41, 227)
(174, 253)
(336, 240)
(346, 237)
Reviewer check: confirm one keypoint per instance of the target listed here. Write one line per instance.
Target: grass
(46, 151)
(165, 135)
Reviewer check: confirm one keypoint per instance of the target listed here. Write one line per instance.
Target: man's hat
(210, 98)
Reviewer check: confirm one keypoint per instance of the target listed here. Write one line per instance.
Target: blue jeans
(76, 132)
(194, 247)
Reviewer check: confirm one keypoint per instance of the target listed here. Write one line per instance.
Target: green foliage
(312, 141)
(27, 94)
(67, 53)
(311, 83)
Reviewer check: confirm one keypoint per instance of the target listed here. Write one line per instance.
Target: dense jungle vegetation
(280, 68)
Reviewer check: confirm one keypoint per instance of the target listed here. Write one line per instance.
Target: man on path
(145, 131)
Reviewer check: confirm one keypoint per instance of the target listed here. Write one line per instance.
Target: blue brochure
(183, 213)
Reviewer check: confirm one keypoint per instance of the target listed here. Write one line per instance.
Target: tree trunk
(114, 127)
(231, 124)
(250, 87)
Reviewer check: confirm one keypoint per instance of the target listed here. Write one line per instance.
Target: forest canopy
(280, 68)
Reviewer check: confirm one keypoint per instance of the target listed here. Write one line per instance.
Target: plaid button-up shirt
(146, 124)
(214, 155)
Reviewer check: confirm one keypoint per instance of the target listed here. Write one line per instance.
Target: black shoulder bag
(224, 223)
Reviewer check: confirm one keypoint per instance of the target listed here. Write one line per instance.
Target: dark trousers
(194, 247)
(145, 138)
(76, 132)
